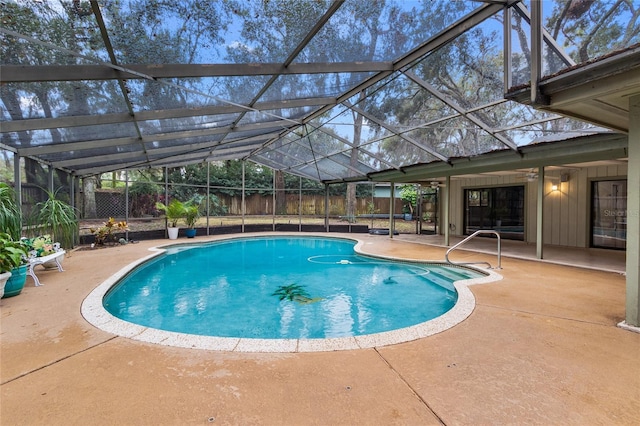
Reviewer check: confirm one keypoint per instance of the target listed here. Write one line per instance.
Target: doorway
(499, 208)
(609, 214)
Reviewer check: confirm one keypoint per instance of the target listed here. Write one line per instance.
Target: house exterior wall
(567, 211)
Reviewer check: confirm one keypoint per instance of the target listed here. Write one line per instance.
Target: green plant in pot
(174, 212)
(13, 265)
(191, 216)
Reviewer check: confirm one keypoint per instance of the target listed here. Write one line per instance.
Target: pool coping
(94, 312)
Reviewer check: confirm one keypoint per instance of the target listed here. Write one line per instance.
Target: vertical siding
(566, 211)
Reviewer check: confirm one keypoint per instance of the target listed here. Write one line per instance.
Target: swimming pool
(279, 292)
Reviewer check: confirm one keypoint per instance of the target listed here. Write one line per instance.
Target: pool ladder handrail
(478, 232)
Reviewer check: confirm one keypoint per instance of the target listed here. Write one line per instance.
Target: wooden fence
(110, 203)
(313, 205)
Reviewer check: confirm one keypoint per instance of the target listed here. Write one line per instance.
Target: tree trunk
(351, 201)
(281, 196)
(89, 193)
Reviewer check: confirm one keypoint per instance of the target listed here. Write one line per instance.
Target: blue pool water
(282, 287)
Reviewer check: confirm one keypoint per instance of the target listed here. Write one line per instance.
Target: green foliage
(191, 214)
(10, 213)
(216, 208)
(41, 245)
(143, 195)
(593, 28)
(57, 218)
(409, 195)
(174, 211)
(12, 253)
(106, 233)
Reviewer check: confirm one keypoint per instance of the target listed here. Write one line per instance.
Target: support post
(326, 206)
(166, 198)
(17, 180)
(50, 178)
(446, 196)
(392, 224)
(508, 76)
(72, 200)
(274, 198)
(242, 209)
(536, 51)
(208, 195)
(540, 215)
(126, 202)
(632, 316)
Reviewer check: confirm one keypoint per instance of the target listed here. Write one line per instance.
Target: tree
(409, 195)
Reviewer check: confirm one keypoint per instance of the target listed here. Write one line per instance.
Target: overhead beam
(93, 120)
(268, 127)
(551, 42)
(169, 150)
(35, 73)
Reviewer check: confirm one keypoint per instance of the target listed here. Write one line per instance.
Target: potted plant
(57, 219)
(174, 211)
(191, 216)
(10, 213)
(409, 195)
(13, 265)
(42, 246)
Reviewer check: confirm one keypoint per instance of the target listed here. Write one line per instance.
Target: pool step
(444, 277)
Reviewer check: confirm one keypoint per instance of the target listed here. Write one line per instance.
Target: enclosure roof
(329, 90)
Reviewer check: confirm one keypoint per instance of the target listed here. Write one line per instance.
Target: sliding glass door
(609, 214)
(501, 209)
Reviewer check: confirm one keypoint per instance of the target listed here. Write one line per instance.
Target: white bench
(35, 261)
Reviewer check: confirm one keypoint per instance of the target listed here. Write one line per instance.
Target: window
(609, 214)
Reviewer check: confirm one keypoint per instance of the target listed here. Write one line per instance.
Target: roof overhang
(597, 92)
(605, 146)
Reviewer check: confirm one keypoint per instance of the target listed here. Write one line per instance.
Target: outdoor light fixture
(554, 187)
(435, 184)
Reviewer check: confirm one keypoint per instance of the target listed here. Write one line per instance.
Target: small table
(35, 261)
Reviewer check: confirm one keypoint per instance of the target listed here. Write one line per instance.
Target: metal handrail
(481, 231)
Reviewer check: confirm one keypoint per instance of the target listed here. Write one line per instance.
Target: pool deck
(540, 347)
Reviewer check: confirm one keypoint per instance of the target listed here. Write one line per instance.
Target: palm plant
(174, 211)
(191, 214)
(58, 219)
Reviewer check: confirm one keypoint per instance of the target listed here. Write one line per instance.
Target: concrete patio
(541, 347)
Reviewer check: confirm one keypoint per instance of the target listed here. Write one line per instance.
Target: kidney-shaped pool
(281, 289)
